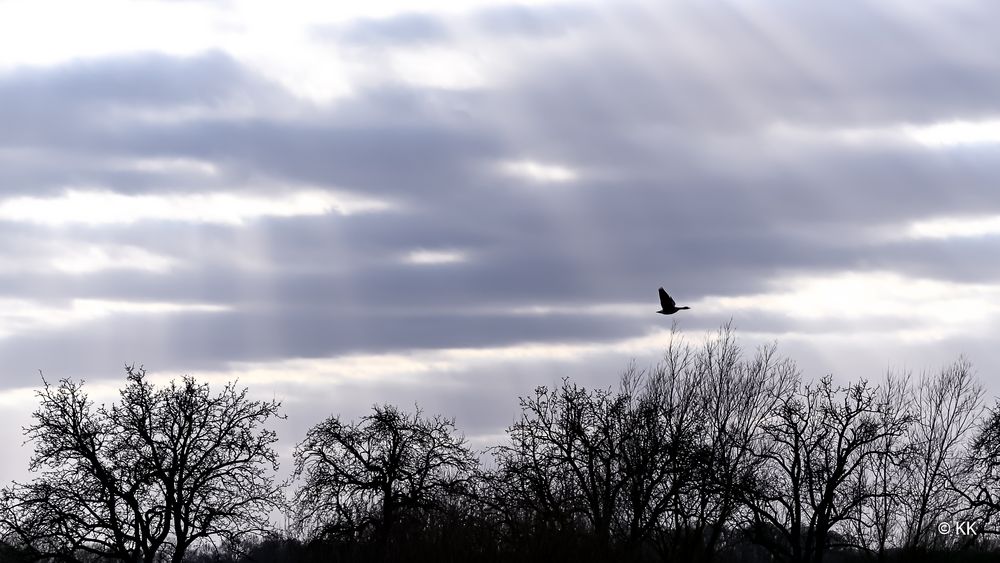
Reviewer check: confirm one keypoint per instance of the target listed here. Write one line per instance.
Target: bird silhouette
(667, 304)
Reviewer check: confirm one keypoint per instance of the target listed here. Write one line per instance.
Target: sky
(450, 203)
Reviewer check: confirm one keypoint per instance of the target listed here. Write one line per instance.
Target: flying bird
(667, 304)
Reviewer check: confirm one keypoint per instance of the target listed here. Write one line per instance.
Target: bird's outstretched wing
(665, 300)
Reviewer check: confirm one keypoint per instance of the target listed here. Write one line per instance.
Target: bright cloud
(957, 133)
(856, 296)
(95, 258)
(426, 257)
(408, 366)
(953, 227)
(103, 207)
(30, 35)
(19, 315)
(935, 135)
(72, 257)
(276, 39)
(440, 68)
(539, 172)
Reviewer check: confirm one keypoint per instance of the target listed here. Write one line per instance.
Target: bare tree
(611, 463)
(145, 478)
(365, 478)
(530, 491)
(819, 439)
(663, 456)
(881, 483)
(980, 480)
(665, 459)
(737, 394)
(562, 460)
(615, 459)
(947, 407)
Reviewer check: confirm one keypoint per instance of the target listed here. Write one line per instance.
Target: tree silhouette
(664, 461)
(712, 454)
(364, 480)
(946, 408)
(819, 439)
(146, 478)
(883, 477)
(736, 395)
(980, 485)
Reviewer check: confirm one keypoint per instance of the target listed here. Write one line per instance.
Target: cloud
(89, 90)
(90, 259)
(537, 172)
(403, 29)
(429, 257)
(91, 207)
(515, 21)
(958, 133)
(21, 317)
(947, 227)
(454, 204)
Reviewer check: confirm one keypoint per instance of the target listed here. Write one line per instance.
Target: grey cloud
(406, 29)
(48, 173)
(375, 159)
(721, 69)
(148, 80)
(188, 341)
(681, 184)
(533, 21)
(78, 102)
(417, 28)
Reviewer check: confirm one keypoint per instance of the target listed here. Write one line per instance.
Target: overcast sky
(453, 202)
